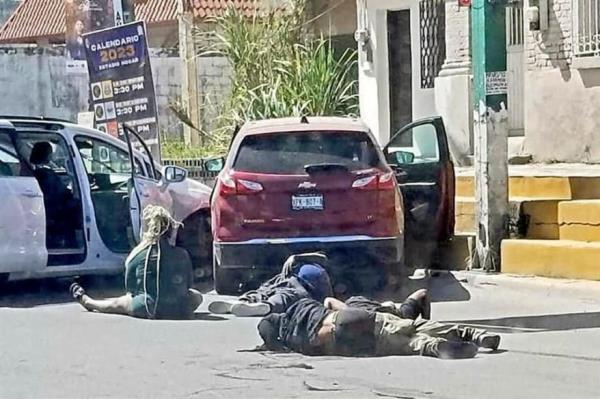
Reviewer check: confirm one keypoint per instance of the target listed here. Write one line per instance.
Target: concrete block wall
(33, 82)
(215, 79)
(551, 49)
(38, 84)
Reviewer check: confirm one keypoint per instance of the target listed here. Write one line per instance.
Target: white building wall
(374, 78)
(562, 117)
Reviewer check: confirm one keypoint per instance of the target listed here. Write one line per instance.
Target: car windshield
(290, 152)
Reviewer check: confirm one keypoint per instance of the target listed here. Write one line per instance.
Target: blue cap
(317, 280)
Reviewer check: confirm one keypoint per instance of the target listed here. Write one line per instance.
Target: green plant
(279, 70)
(177, 149)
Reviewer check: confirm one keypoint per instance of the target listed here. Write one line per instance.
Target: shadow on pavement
(53, 291)
(32, 293)
(540, 323)
(206, 316)
(442, 287)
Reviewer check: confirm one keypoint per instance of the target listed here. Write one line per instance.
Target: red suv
(307, 184)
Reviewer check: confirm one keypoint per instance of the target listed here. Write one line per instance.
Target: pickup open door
(142, 189)
(22, 214)
(420, 156)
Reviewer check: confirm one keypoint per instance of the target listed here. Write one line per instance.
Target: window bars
(586, 28)
(433, 40)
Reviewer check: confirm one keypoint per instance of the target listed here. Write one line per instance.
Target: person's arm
(334, 304)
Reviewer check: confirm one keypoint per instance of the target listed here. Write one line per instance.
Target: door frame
(41, 249)
(515, 71)
(445, 214)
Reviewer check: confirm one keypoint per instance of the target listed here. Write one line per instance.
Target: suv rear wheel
(196, 238)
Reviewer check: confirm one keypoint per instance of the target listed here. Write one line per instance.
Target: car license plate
(307, 202)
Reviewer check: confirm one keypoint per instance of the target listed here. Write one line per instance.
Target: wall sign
(495, 83)
(121, 81)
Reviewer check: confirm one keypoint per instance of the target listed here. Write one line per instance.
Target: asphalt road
(51, 348)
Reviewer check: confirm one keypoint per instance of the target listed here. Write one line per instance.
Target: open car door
(22, 215)
(420, 156)
(141, 188)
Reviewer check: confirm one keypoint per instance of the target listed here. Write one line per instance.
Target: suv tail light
(376, 182)
(232, 186)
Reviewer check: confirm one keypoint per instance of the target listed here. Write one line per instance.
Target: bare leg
(119, 305)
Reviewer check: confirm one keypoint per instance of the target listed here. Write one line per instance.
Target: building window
(586, 28)
(433, 40)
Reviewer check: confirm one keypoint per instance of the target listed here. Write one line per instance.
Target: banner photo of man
(84, 16)
(121, 81)
(78, 22)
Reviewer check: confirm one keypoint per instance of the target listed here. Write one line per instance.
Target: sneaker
(77, 291)
(457, 350)
(489, 341)
(220, 307)
(246, 309)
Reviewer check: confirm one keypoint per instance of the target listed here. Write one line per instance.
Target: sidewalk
(543, 170)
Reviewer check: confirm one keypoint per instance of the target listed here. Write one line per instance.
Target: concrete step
(539, 187)
(579, 220)
(552, 258)
(539, 215)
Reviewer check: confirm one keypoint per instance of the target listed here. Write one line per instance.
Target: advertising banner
(121, 81)
(84, 16)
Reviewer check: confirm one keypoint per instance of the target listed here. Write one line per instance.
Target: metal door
(22, 215)
(515, 68)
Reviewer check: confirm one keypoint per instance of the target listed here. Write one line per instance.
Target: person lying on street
(158, 276)
(417, 304)
(310, 328)
(302, 276)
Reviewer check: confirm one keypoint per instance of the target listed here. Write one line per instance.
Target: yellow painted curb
(464, 213)
(552, 258)
(579, 220)
(532, 187)
(543, 218)
(465, 186)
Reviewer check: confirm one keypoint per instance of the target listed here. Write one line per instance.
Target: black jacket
(296, 329)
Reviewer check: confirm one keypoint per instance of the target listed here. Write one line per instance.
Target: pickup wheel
(195, 237)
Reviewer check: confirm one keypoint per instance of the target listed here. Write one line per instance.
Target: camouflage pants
(396, 336)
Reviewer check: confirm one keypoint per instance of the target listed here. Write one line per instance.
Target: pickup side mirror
(400, 157)
(175, 174)
(214, 164)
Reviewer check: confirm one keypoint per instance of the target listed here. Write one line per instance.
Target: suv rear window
(290, 152)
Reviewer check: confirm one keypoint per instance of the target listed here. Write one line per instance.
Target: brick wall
(551, 49)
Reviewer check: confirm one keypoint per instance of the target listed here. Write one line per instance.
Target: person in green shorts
(158, 276)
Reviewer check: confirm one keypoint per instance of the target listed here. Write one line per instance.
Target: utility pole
(491, 151)
(189, 83)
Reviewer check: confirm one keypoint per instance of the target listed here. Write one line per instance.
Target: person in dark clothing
(417, 304)
(309, 328)
(62, 209)
(302, 276)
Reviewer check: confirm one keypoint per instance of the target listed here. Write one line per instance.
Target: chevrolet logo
(307, 184)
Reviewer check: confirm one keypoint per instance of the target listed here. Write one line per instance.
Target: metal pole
(491, 155)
